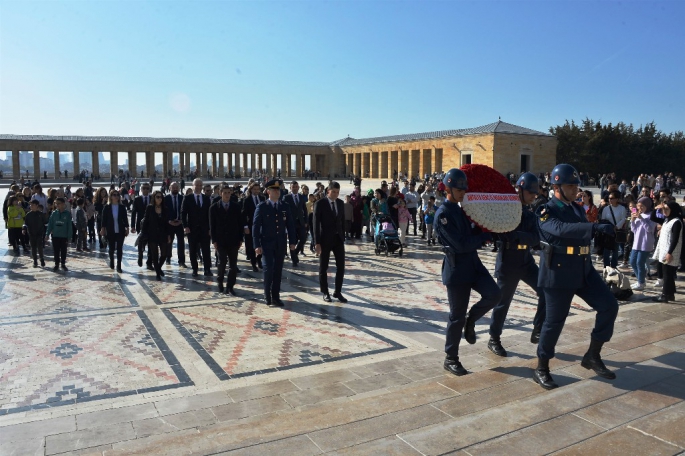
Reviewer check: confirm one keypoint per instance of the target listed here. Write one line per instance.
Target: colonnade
(218, 164)
(386, 164)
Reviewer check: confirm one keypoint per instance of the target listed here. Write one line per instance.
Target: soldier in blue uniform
(515, 263)
(566, 270)
(462, 270)
(270, 225)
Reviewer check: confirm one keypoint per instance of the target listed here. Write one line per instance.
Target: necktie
(333, 208)
(297, 201)
(256, 201)
(225, 206)
(175, 198)
(145, 199)
(199, 202)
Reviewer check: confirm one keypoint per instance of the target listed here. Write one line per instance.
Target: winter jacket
(15, 216)
(60, 224)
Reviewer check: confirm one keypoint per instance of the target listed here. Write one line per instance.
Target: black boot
(541, 375)
(535, 335)
(495, 346)
(593, 361)
(454, 366)
(470, 330)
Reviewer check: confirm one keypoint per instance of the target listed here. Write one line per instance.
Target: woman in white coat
(667, 250)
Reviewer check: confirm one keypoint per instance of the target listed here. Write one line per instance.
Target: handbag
(621, 234)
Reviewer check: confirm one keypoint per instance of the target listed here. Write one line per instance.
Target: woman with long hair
(591, 210)
(156, 228)
(115, 227)
(99, 202)
(643, 229)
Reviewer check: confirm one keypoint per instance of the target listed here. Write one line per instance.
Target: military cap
(273, 183)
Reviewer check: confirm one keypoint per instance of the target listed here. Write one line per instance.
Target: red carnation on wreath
(491, 201)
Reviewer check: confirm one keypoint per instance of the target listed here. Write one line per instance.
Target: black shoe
(182, 265)
(140, 261)
(327, 297)
(119, 269)
(64, 267)
(495, 346)
(35, 264)
(541, 375)
(194, 273)
(340, 297)
(238, 271)
(592, 360)
(664, 298)
(168, 262)
(42, 263)
(111, 264)
(231, 291)
(150, 267)
(221, 287)
(295, 264)
(277, 302)
(161, 273)
(268, 301)
(208, 274)
(454, 367)
(56, 268)
(159, 278)
(470, 330)
(255, 269)
(535, 335)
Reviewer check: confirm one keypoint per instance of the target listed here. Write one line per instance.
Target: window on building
(466, 158)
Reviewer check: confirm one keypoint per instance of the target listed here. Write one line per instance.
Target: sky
(323, 70)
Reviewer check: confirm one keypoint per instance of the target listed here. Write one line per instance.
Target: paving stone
(621, 441)
(674, 343)
(482, 380)
(117, 415)
(29, 431)
(23, 447)
(172, 423)
(196, 402)
(314, 395)
(377, 382)
(374, 428)
(488, 398)
(388, 446)
(248, 408)
(156, 445)
(324, 378)
(269, 389)
(299, 445)
(667, 425)
(540, 439)
(87, 438)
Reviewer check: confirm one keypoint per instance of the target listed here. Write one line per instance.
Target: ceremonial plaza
(95, 362)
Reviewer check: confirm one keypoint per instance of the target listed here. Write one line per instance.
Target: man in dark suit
(225, 225)
(140, 203)
(329, 236)
(272, 221)
(174, 202)
(250, 204)
(115, 227)
(298, 212)
(195, 219)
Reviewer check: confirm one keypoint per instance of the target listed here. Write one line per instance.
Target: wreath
(491, 202)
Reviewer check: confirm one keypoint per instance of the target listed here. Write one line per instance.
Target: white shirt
(115, 217)
(620, 213)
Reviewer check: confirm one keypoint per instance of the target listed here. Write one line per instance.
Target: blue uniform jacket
(269, 227)
(512, 260)
(461, 238)
(564, 225)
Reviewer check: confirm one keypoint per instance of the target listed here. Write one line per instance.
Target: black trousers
(36, 246)
(115, 241)
(412, 213)
(59, 245)
(228, 255)
(200, 242)
(301, 231)
(338, 249)
(669, 279)
(177, 232)
(154, 247)
(141, 250)
(249, 251)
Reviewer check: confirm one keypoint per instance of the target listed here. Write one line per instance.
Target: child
(429, 216)
(15, 221)
(628, 247)
(404, 217)
(81, 226)
(349, 215)
(34, 225)
(60, 226)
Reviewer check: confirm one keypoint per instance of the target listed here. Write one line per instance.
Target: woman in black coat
(115, 227)
(156, 228)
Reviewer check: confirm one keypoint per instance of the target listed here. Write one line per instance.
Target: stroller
(385, 235)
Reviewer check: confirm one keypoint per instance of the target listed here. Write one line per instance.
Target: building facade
(505, 147)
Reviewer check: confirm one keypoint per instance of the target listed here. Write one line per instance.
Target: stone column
(424, 162)
(133, 163)
(374, 165)
(113, 163)
(55, 158)
(36, 165)
(95, 160)
(149, 163)
(16, 172)
(385, 172)
(274, 164)
(77, 163)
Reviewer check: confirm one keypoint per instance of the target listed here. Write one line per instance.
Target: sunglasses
(115, 194)
(158, 197)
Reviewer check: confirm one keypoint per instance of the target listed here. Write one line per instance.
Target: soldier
(566, 269)
(515, 263)
(462, 270)
(271, 221)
